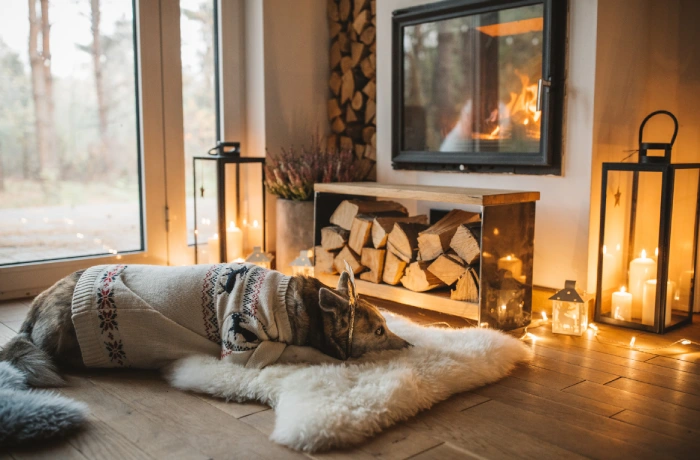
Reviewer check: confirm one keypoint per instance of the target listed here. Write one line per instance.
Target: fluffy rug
(323, 407)
(33, 415)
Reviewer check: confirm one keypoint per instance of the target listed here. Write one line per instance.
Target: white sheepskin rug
(329, 406)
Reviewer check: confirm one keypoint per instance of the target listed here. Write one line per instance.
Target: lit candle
(622, 305)
(649, 302)
(611, 269)
(642, 269)
(234, 243)
(213, 248)
(512, 264)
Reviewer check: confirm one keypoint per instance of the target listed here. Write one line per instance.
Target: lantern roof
(303, 260)
(568, 294)
(258, 256)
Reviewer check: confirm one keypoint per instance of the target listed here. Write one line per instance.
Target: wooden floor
(580, 397)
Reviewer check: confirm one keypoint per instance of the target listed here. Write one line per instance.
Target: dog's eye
(380, 330)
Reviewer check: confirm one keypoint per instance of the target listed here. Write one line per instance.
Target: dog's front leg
(293, 354)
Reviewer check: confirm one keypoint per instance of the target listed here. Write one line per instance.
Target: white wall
(562, 222)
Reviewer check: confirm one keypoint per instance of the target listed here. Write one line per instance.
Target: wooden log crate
(474, 263)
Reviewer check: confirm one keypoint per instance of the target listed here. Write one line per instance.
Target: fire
(521, 109)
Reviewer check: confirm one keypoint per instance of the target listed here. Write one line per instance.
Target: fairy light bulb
(685, 342)
(632, 341)
(544, 316)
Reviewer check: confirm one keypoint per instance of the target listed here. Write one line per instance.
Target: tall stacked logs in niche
(352, 84)
(382, 244)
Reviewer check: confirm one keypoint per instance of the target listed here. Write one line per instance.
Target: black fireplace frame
(549, 158)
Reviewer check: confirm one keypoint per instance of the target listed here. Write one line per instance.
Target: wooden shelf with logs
(474, 263)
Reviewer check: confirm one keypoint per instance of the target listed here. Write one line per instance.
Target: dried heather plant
(291, 174)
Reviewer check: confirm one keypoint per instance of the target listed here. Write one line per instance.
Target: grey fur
(37, 366)
(33, 415)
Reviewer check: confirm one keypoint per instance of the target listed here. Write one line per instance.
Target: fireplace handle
(540, 84)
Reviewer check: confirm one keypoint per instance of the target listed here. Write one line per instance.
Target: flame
(623, 289)
(520, 109)
(644, 254)
(494, 133)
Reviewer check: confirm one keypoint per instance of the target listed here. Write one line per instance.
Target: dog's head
(351, 325)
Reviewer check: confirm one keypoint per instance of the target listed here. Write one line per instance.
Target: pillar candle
(642, 269)
(610, 269)
(512, 264)
(234, 243)
(684, 284)
(649, 302)
(622, 305)
(213, 248)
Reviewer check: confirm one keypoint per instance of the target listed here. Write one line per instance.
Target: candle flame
(644, 254)
(623, 289)
(656, 252)
(605, 249)
(503, 307)
(508, 258)
(255, 224)
(617, 248)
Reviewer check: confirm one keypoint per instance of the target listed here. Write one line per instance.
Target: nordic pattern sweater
(146, 316)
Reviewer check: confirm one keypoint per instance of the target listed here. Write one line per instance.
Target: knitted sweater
(146, 316)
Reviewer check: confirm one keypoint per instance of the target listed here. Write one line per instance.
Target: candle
(649, 302)
(512, 264)
(684, 284)
(622, 305)
(213, 248)
(642, 269)
(611, 269)
(234, 243)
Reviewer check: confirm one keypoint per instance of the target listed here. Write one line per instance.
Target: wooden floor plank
(659, 443)
(98, 440)
(142, 429)
(213, 430)
(672, 382)
(676, 364)
(446, 451)
(683, 433)
(590, 444)
(59, 449)
(544, 377)
(399, 442)
(662, 394)
(583, 373)
(232, 408)
(591, 343)
(596, 407)
(6, 334)
(13, 313)
(14, 325)
(636, 403)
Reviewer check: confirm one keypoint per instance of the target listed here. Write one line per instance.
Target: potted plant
(290, 175)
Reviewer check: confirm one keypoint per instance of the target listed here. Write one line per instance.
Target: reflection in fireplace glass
(471, 82)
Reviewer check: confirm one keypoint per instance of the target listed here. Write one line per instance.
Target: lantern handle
(660, 112)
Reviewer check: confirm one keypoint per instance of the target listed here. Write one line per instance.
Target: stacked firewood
(382, 243)
(353, 62)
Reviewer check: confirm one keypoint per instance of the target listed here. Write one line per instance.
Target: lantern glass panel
(630, 245)
(205, 201)
(682, 247)
(569, 318)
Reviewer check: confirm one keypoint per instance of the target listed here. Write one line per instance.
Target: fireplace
(479, 86)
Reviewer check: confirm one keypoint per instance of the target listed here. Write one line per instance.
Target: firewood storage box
(506, 241)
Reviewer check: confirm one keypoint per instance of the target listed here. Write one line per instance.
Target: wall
(562, 222)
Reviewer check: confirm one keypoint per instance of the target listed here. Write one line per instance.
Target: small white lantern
(302, 265)
(259, 258)
(569, 311)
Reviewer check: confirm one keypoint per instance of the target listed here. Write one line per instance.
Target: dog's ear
(334, 313)
(343, 283)
(346, 283)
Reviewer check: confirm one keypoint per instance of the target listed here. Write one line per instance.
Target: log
(360, 150)
(332, 143)
(334, 109)
(370, 112)
(367, 36)
(467, 287)
(346, 64)
(334, 55)
(447, 269)
(393, 269)
(347, 91)
(350, 115)
(367, 134)
(335, 82)
(404, 240)
(370, 153)
(360, 233)
(345, 144)
(344, 9)
(360, 22)
(344, 42)
(436, 239)
(357, 52)
(382, 226)
(366, 67)
(374, 140)
(338, 125)
(345, 213)
(370, 90)
(373, 60)
(347, 255)
(373, 259)
(359, 6)
(332, 9)
(466, 242)
(357, 101)
(324, 261)
(334, 29)
(417, 278)
(373, 7)
(334, 237)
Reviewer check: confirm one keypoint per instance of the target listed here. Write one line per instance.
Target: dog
(324, 325)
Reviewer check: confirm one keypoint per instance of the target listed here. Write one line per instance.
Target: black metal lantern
(233, 176)
(648, 239)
